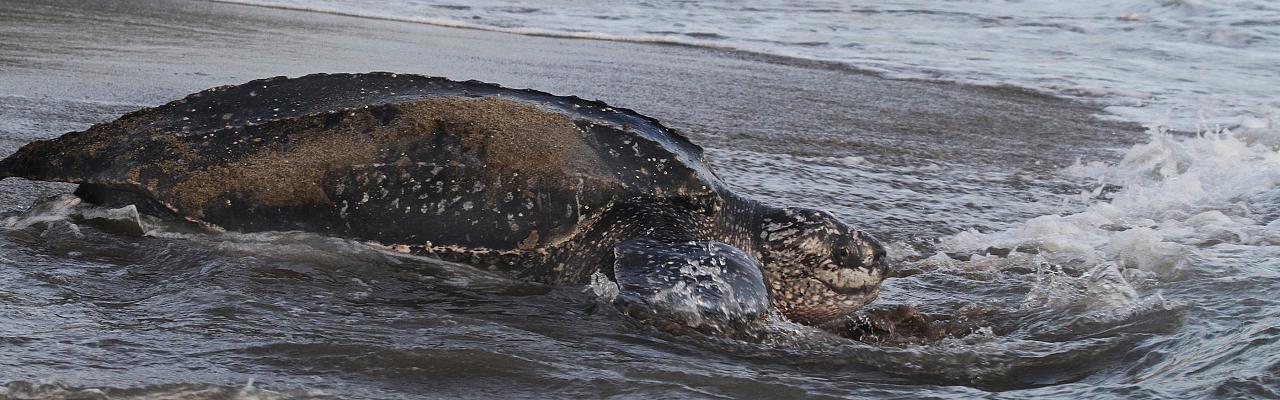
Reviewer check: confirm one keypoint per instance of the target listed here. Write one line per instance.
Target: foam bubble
(603, 287)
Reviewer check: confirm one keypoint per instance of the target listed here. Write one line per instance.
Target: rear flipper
(699, 284)
(107, 197)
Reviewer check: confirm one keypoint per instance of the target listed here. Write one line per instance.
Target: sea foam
(1159, 206)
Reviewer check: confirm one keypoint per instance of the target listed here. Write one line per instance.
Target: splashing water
(1158, 205)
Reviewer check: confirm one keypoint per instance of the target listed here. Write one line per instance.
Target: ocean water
(1180, 63)
(1147, 271)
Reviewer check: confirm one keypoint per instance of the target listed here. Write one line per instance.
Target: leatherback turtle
(542, 187)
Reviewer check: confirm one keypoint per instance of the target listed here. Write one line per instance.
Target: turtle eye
(841, 253)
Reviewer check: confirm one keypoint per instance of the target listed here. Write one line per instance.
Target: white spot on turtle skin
(467, 205)
(364, 198)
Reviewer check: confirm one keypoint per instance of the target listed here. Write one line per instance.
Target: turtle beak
(851, 281)
(873, 253)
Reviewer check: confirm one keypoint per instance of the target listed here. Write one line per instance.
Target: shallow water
(1159, 286)
(1182, 63)
(1149, 274)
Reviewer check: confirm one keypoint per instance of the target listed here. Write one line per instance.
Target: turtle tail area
(75, 158)
(69, 158)
(28, 162)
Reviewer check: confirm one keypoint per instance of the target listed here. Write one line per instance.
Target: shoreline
(78, 66)
(317, 32)
(761, 56)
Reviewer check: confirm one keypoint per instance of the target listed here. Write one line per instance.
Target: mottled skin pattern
(542, 187)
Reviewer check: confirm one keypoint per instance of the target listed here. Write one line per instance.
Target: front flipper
(694, 283)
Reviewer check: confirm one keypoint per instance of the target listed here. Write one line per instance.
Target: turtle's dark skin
(545, 188)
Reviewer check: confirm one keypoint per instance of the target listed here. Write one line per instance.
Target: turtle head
(817, 268)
